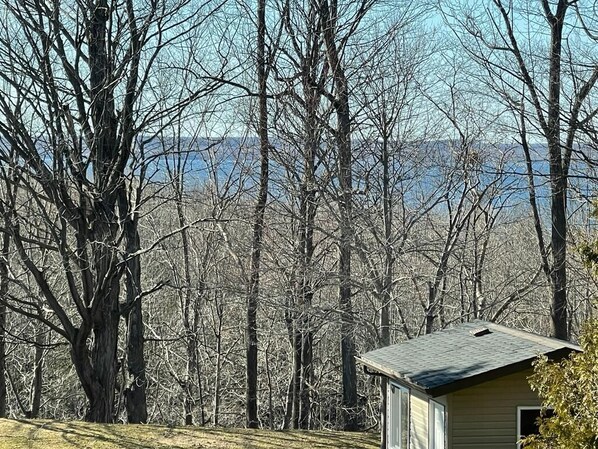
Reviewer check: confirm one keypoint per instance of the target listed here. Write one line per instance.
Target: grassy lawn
(79, 435)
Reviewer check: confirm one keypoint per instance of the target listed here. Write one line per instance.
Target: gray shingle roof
(454, 358)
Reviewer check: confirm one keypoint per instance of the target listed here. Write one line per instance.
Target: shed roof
(455, 358)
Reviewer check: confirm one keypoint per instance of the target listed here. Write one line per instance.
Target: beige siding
(485, 416)
(419, 420)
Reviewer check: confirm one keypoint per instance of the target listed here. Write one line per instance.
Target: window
(528, 420)
(397, 414)
(436, 426)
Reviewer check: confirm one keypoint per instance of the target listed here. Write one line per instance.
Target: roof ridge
(551, 342)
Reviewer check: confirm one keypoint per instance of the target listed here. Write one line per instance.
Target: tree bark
(105, 340)
(297, 367)
(344, 155)
(306, 376)
(190, 316)
(96, 366)
(3, 313)
(38, 380)
(306, 251)
(299, 319)
(135, 390)
(258, 224)
(385, 294)
(558, 179)
(217, 376)
(135, 393)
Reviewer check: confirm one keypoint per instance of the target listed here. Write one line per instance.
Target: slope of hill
(80, 435)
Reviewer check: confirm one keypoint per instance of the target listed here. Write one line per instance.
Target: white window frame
(432, 405)
(519, 408)
(389, 414)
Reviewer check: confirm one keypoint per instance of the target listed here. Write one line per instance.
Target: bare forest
(210, 207)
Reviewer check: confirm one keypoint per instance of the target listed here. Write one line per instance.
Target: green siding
(485, 416)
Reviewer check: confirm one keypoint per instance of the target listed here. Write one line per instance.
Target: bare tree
(74, 112)
(301, 121)
(389, 166)
(334, 45)
(515, 73)
(258, 220)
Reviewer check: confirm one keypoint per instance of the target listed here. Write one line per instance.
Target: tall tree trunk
(297, 365)
(190, 317)
(104, 355)
(549, 119)
(258, 224)
(431, 305)
(385, 294)
(96, 366)
(288, 411)
(306, 375)
(218, 334)
(306, 288)
(135, 396)
(301, 332)
(290, 322)
(388, 248)
(311, 76)
(558, 179)
(38, 380)
(135, 392)
(192, 368)
(3, 312)
(306, 249)
(343, 141)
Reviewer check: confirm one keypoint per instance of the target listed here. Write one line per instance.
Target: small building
(464, 387)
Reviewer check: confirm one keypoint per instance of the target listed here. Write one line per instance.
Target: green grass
(24, 434)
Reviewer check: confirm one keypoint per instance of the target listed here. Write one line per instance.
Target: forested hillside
(208, 209)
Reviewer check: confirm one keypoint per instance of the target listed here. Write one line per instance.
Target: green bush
(570, 388)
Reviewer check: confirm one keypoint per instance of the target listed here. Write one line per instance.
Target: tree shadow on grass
(311, 439)
(81, 435)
